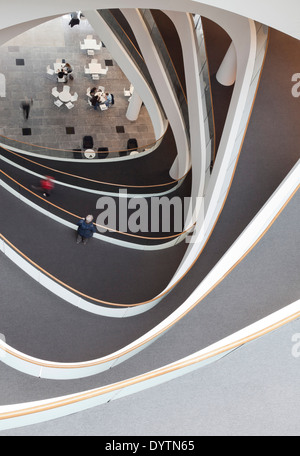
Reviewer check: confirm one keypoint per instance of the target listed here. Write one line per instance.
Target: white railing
(236, 253)
(24, 414)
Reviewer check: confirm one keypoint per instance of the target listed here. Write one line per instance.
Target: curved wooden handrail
(171, 368)
(95, 180)
(170, 287)
(171, 236)
(146, 146)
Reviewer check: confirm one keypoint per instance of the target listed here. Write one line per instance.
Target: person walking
(25, 105)
(46, 186)
(85, 230)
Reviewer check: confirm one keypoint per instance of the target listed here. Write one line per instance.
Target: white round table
(64, 96)
(89, 153)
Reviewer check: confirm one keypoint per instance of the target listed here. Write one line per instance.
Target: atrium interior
(187, 322)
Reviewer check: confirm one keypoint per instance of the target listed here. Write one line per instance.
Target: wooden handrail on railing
(171, 236)
(174, 181)
(44, 406)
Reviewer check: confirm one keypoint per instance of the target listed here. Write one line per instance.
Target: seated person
(95, 102)
(62, 75)
(108, 100)
(93, 91)
(68, 68)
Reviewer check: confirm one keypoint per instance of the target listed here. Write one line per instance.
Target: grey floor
(40, 47)
(220, 402)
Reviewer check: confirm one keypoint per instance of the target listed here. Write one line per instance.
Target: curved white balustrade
(95, 192)
(16, 415)
(173, 240)
(250, 58)
(241, 247)
(28, 153)
(280, 16)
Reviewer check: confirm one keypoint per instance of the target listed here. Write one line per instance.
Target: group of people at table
(63, 71)
(99, 97)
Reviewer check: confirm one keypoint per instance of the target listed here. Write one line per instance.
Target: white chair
(90, 52)
(66, 88)
(94, 61)
(95, 76)
(82, 46)
(69, 105)
(101, 88)
(131, 89)
(87, 70)
(63, 79)
(50, 71)
(103, 70)
(74, 97)
(126, 93)
(55, 92)
(103, 107)
(58, 60)
(89, 37)
(58, 103)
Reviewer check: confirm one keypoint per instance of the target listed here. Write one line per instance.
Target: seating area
(88, 151)
(90, 45)
(52, 119)
(132, 145)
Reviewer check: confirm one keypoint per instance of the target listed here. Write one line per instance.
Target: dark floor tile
(70, 130)
(26, 131)
(109, 63)
(120, 129)
(20, 62)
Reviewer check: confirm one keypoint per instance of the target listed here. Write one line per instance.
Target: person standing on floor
(85, 230)
(25, 105)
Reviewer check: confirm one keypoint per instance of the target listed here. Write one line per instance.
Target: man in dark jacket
(86, 229)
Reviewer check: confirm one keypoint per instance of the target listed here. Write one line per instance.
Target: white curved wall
(185, 29)
(280, 15)
(164, 89)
